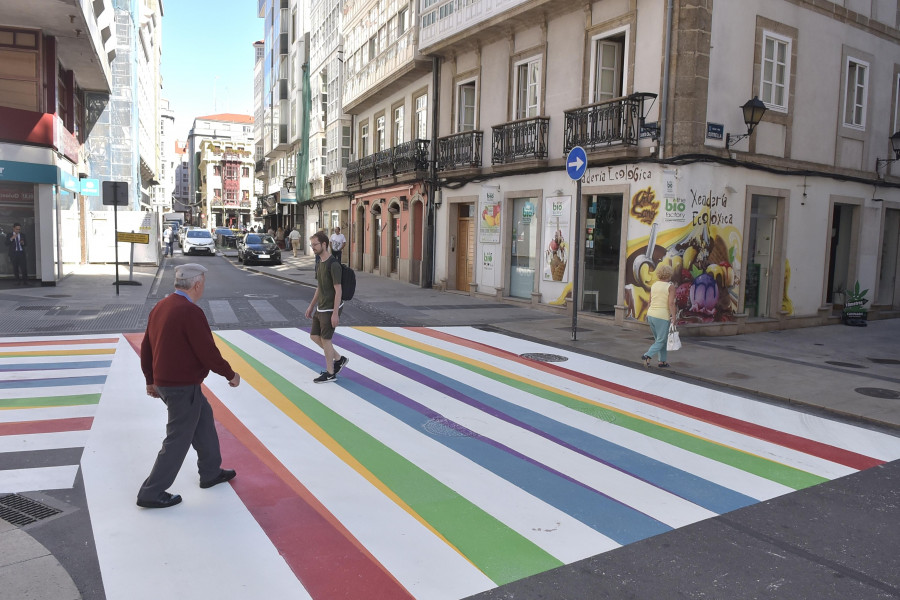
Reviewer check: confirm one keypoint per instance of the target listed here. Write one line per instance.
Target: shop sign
(17, 193)
(68, 182)
(90, 187)
(288, 196)
(11, 170)
(489, 208)
(487, 260)
(527, 212)
(557, 234)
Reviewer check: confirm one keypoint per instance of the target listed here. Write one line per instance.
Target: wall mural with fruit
(700, 237)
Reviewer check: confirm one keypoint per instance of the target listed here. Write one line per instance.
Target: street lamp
(895, 146)
(753, 113)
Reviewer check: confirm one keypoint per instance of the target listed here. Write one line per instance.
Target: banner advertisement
(489, 206)
(557, 236)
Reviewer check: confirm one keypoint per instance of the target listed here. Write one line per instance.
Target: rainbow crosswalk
(441, 464)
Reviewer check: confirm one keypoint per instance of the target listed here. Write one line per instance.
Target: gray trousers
(190, 423)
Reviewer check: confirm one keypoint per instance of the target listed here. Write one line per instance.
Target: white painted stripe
(266, 311)
(727, 437)
(659, 504)
(83, 349)
(210, 546)
(62, 338)
(842, 435)
(18, 415)
(52, 391)
(39, 478)
(419, 560)
(43, 441)
(222, 312)
(701, 466)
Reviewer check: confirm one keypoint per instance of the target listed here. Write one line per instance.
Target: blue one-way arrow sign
(576, 163)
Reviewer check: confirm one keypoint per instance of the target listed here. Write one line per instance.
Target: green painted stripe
(501, 553)
(49, 401)
(774, 471)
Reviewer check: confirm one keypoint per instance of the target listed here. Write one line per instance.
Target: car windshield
(255, 238)
(199, 233)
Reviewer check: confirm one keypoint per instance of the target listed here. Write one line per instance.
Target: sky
(208, 58)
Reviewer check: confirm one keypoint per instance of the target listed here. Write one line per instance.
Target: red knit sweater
(178, 347)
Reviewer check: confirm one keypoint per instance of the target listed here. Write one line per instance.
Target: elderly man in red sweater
(177, 354)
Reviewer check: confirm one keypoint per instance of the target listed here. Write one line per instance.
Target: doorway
(376, 242)
(602, 248)
(465, 246)
(841, 248)
(523, 260)
(888, 292)
(760, 256)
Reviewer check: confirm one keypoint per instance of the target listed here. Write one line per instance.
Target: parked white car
(198, 241)
(182, 232)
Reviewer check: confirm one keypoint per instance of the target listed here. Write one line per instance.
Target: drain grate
(885, 361)
(20, 510)
(39, 307)
(542, 357)
(878, 393)
(838, 363)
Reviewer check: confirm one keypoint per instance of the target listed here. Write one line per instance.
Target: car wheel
(278, 261)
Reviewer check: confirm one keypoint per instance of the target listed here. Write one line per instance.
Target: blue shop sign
(90, 187)
(11, 170)
(69, 182)
(288, 196)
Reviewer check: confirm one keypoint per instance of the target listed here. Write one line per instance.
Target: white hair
(187, 283)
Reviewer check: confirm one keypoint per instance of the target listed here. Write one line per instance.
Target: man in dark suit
(16, 243)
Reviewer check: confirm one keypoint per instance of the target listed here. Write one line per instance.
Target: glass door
(602, 244)
(760, 248)
(523, 248)
(890, 254)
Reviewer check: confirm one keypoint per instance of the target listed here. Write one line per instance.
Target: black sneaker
(325, 377)
(339, 364)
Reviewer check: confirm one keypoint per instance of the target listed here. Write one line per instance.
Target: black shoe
(325, 377)
(339, 364)
(223, 476)
(165, 501)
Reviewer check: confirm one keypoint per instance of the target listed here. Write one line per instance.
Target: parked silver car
(199, 241)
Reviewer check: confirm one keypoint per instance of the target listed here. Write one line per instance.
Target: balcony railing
(522, 139)
(616, 121)
(406, 158)
(459, 151)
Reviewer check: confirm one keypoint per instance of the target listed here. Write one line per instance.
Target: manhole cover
(20, 510)
(879, 393)
(447, 428)
(885, 361)
(260, 295)
(542, 357)
(838, 363)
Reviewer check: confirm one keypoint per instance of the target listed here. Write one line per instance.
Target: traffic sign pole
(576, 165)
(116, 230)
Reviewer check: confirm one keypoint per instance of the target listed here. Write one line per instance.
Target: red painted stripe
(828, 452)
(325, 557)
(59, 342)
(48, 426)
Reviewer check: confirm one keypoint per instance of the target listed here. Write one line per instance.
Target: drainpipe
(428, 251)
(664, 102)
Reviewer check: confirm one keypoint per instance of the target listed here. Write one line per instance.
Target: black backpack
(348, 282)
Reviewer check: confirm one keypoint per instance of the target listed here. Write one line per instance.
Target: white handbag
(674, 341)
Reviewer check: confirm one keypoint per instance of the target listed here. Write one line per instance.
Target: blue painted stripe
(94, 364)
(606, 515)
(51, 382)
(684, 484)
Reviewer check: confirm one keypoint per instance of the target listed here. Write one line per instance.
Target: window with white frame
(608, 67)
(421, 103)
(897, 105)
(465, 107)
(379, 133)
(528, 88)
(398, 125)
(346, 134)
(402, 21)
(775, 71)
(856, 93)
(363, 140)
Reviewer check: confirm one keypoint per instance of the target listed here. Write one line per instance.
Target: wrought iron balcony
(522, 139)
(460, 151)
(407, 157)
(616, 121)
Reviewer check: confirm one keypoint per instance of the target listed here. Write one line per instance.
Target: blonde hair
(664, 272)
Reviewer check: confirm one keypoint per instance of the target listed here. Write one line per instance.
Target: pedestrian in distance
(168, 239)
(279, 237)
(295, 238)
(660, 314)
(177, 353)
(325, 307)
(337, 243)
(16, 245)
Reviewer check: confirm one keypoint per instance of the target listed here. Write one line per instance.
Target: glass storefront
(17, 206)
(523, 248)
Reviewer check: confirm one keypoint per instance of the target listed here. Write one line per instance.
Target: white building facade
(772, 232)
